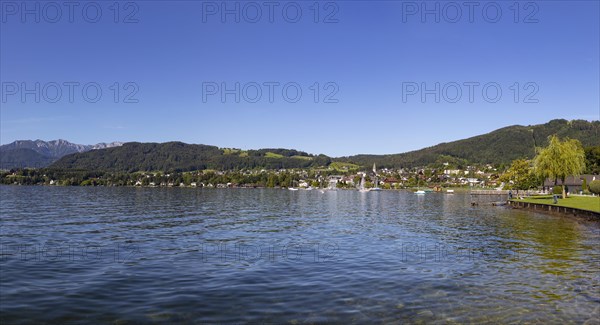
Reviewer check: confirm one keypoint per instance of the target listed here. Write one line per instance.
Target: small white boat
(420, 192)
(361, 187)
(292, 189)
(332, 186)
(376, 187)
(449, 191)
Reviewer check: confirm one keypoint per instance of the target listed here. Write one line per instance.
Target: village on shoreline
(485, 177)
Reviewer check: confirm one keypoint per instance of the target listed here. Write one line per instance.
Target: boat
(332, 186)
(376, 188)
(292, 188)
(449, 191)
(361, 187)
(420, 191)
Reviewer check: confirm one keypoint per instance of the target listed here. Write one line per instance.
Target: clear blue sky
(373, 51)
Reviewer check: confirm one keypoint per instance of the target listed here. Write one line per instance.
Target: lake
(181, 255)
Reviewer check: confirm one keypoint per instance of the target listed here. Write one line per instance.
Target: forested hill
(178, 156)
(23, 157)
(497, 147)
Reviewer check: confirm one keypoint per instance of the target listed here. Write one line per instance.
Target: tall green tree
(519, 175)
(592, 160)
(595, 187)
(560, 159)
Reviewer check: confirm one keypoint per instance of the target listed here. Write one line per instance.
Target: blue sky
(370, 60)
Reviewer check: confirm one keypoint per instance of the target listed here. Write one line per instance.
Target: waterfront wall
(540, 207)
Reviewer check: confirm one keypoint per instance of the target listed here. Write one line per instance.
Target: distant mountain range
(497, 147)
(39, 153)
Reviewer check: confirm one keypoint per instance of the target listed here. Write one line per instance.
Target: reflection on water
(105, 255)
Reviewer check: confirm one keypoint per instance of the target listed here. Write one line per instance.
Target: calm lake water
(132, 255)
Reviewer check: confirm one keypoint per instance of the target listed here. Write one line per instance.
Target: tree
(187, 179)
(595, 187)
(592, 160)
(520, 175)
(560, 159)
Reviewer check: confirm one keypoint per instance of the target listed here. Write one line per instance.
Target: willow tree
(559, 160)
(519, 175)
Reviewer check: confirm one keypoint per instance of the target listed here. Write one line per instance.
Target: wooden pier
(488, 192)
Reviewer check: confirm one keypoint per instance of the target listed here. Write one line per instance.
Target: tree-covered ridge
(499, 147)
(178, 156)
(23, 157)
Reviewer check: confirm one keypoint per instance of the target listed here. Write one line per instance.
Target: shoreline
(410, 189)
(553, 209)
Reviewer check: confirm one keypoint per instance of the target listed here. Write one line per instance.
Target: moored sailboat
(361, 187)
(376, 188)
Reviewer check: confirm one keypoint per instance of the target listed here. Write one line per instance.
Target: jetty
(488, 192)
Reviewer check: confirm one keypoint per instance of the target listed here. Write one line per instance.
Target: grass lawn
(302, 157)
(230, 151)
(579, 202)
(273, 155)
(340, 166)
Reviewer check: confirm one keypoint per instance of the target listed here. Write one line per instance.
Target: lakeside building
(574, 183)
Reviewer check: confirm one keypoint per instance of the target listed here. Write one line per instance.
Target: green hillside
(497, 147)
(23, 157)
(178, 156)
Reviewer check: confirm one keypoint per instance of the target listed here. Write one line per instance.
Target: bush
(584, 187)
(557, 190)
(595, 186)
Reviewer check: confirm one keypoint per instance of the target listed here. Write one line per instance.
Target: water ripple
(118, 255)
